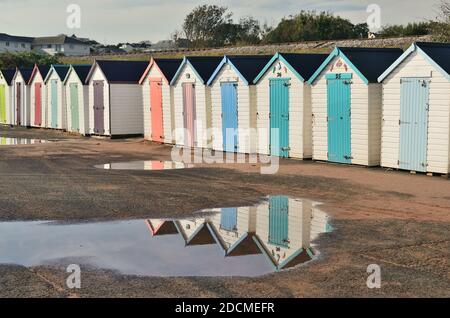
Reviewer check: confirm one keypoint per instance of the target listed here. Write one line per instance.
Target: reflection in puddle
(245, 241)
(6, 141)
(145, 165)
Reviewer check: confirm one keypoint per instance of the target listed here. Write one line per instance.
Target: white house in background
(61, 44)
(15, 44)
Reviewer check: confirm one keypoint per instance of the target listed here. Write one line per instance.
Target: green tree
(411, 29)
(26, 59)
(441, 28)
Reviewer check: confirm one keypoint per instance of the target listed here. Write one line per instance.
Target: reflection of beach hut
(77, 99)
(346, 105)
(6, 95)
(56, 97)
(416, 110)
(233, 100)
(283, 231)
(195, 232)
(38, 94)
(159, 116)
(192, 100)
(21, 99)
(233, 230)
(161, 227)
(284, 103)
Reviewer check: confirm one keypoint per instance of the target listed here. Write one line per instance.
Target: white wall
(83, 104)
(126, 109)
(203, 109)
(25, 100)
(61, 96)
(364, 151)
(299, 113)
(37, 79)
(246, 95)
(15, 47)
(98, 76)
(66, 49)
(438, 117)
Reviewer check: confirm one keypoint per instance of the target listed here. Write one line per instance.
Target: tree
(441, 28)
(411, 29)
(26, 59)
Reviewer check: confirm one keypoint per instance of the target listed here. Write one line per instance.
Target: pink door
(189, 114)
(38, 104)
(156, 109)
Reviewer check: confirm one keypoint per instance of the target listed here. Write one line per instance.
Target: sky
(114, 21)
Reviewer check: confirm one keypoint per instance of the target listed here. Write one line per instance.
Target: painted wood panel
(126, 109)
(83, 104)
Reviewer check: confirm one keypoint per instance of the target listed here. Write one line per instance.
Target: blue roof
(123, 71)
(168, 67)
(43, 69)
(26, 73)
(8, 74)
(82, 71)
(203, 66)
(438, 52)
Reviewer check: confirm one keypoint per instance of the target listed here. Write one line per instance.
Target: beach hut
(77, 99)
(283, 105)
(115, 98)
(6, 95)
(195, 231)
(416, 110)
(346, 105)
(21, 97)
(56, 97)
(283, 231)
(192, 101)
(38, 95)
(233, 230)
(159, 227)
(159, 115)
(233, 99)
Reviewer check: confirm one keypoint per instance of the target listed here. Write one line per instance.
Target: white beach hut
(38, 96)
(21, 97)
(56, 97)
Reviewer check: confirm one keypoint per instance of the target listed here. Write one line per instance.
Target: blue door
(279, 117)
(339, 113)
(279, 221)
(229, 117)
(228, 219)
(414, 123)
(54, 103)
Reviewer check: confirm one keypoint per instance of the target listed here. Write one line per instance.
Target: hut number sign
(339, 67)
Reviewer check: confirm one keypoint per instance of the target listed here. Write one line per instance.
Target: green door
(2, 105)
(279, 221)
(74, 107)
(279, 117)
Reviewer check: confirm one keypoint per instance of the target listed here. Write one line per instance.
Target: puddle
(145, 165)
(6, 141)
(246, 241)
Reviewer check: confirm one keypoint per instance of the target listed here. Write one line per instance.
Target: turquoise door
(54, 103)
(279, 221)
(74, 107)
(279, 117)
(229, 117)
(228, 219)
(339, 113)
(414, 100)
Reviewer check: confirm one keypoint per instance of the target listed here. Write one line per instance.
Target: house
(233, 100)
(115, 98)
(56, 97)
(192, 101)
(77, 99)
(61, 44)
(159, 115)
(6, 96)
(346, 105)
(283, 105)
(38, 95)
(15, 44)
(21, 97)
(416, 110)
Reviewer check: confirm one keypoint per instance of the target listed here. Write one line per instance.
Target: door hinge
(398, 162)
(287, 84)
(285, 148)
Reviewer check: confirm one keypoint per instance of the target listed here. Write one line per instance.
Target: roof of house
(26, 73)
(302, 65)
(8, 74)
(203, 66)
(121, 71)
(12, 38)
(82, 71)
(438, 54)
(42, 69)
(168, 68)
(248, 67)
(368, 63)
(59, 39)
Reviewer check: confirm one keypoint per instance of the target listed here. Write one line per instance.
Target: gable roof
(247, 67)
(161, 227)
(203, 66)
(167, 67)
(60, 70)
(26, 73)
(302, 65)
(438, 54)
(12, 38)
(41, 69)
(8, 74)
(120, 71)
(368, 63)
(82, 72)
(59, 39)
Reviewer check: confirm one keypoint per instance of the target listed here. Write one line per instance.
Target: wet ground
(396, 220)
